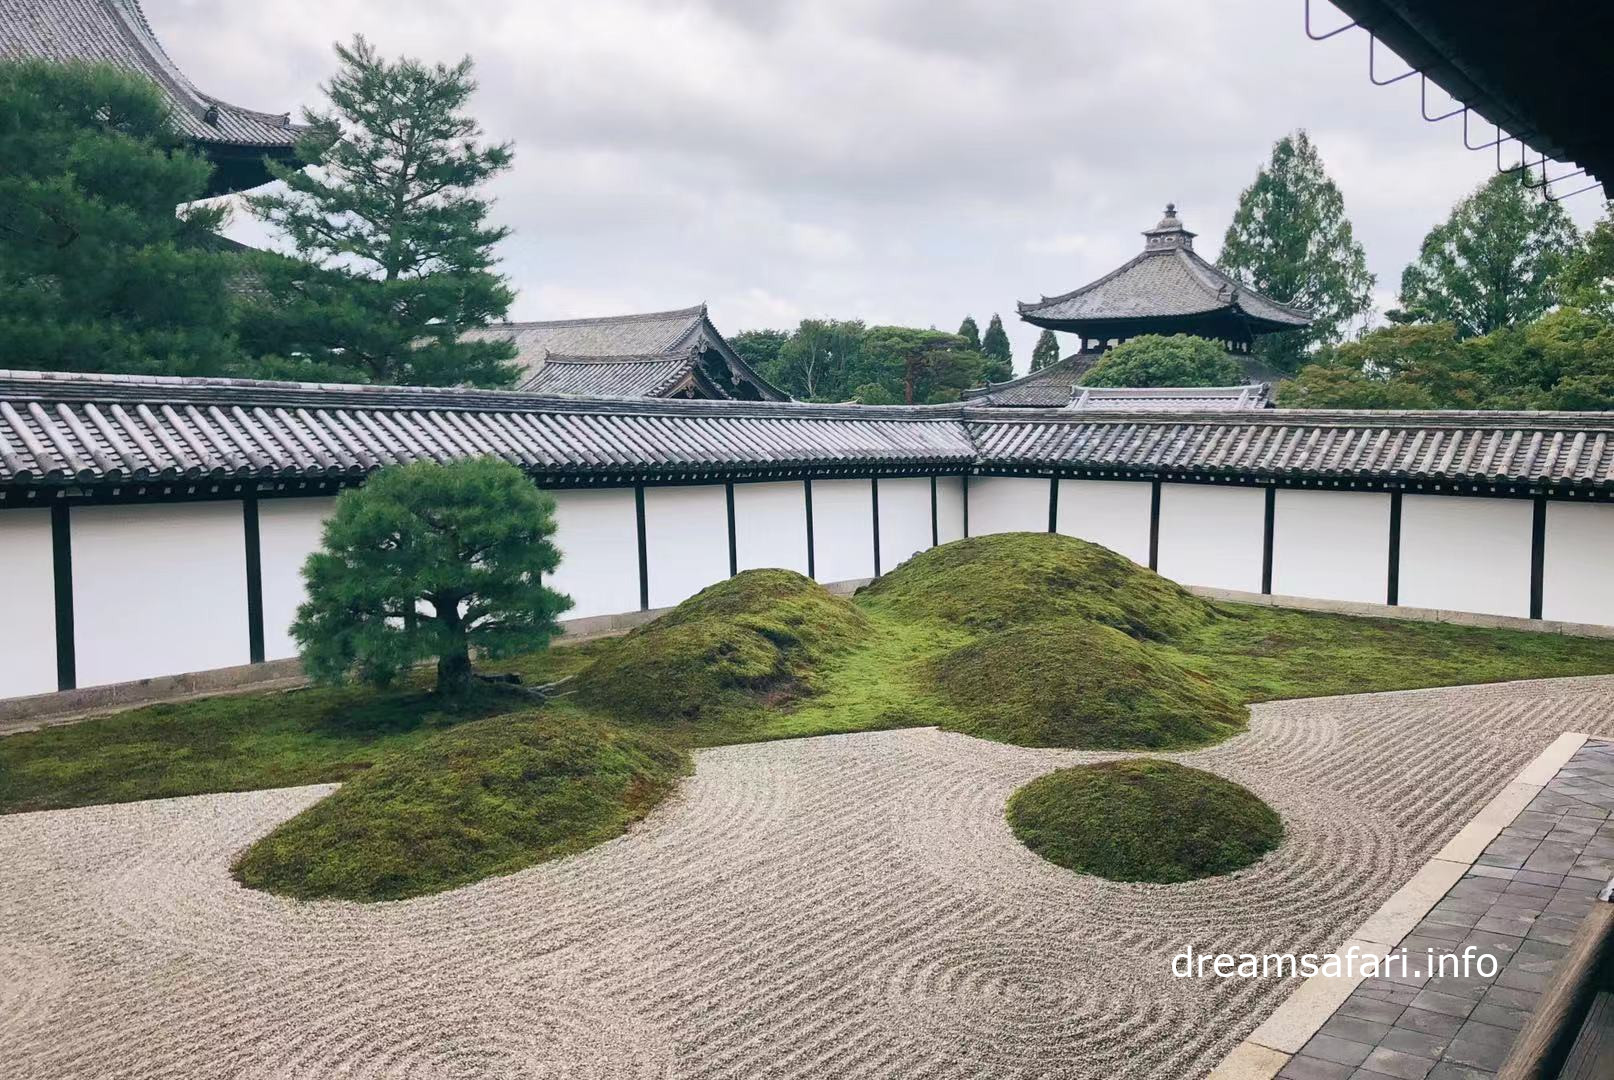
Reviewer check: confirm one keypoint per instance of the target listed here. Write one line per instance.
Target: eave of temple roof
(116, 32)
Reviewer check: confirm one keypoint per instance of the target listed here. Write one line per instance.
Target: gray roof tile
(116, 32)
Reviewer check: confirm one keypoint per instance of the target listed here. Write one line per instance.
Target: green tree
(920, 366)
(1492, 263)
(820, 361)
(395, 249)
(97, 270)
(1291, 241)
(1587, 280)
(873, 393)
(1158, 360)
(1045, 352)
(970, 331)
(759, 348)
(430, 560)
(995, 347)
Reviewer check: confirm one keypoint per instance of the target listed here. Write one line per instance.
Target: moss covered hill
(1063, 645)
(1014, 579)
(1143, 821)
(760, 638)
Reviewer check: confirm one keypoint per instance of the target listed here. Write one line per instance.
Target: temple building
(235, 139)
(1165, 289)
(666, 354)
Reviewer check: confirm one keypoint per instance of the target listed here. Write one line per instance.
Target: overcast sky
(903, 161)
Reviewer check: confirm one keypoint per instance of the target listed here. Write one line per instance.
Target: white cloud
(892, 160)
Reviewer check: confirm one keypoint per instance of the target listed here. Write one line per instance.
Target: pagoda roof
(1168, 283)
(654, 375)
(621, 348)
(116, 32)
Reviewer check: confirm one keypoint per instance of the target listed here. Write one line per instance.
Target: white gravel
(851, 906)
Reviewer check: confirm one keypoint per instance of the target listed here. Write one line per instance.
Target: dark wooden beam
(874, 502)
(1538, 555)
(812, 565)
(1271, 513)
(1154, 525)
(61, 550)
(1392, 587)
(734, 550)
(644, 550)
(249, 529)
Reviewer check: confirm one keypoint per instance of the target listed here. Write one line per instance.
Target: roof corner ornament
(211, 114)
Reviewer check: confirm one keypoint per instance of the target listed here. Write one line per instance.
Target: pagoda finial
(1169, 233)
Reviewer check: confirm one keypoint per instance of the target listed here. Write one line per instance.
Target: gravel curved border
(846, 906)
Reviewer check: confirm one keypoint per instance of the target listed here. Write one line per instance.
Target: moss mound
(1084, 686)
(487, 797)
(1012, 579)
(1143, 821)
(757, 638)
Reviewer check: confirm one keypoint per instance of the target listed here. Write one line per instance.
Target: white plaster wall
(686, 540)
(1578, 563)
(1114, 513)
(904, 520)
(1466, 554)
(1212, 535)
(770, 525)
(1008, 504)
(843, 530)
(158, 590)
(28, 613)
(288, 532)
(949, 508)
(1331, 545)
(598, 536)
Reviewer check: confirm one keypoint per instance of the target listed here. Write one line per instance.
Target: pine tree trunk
(454, 673)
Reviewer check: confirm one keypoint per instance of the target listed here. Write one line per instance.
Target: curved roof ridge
(1204, 269)
(1095, 283)
(641, 316)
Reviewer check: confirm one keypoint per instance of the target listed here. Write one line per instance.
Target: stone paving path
(1522, 903)
(852, 906)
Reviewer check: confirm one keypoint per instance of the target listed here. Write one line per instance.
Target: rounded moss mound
(1085, 686)
(1143, 821)
(487, 797)
(755, 638)
(1011, 579)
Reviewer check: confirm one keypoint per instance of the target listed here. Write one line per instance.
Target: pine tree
(970, 332)
(1493, 263)
(1290, 241)
(995, 347)
(97, 271)
(1045, 352)
(395, 250)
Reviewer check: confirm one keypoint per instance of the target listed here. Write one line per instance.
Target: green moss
(1012, 579)
(1143, 821)
(489, 797)
(757, 638)
(1082, 685)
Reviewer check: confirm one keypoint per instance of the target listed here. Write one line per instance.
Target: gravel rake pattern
(847, 906)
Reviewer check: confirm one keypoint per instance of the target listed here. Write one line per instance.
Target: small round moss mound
(1143, 821)
(486, 797)
(1082, 685)
(1011, 579)
(758, 637)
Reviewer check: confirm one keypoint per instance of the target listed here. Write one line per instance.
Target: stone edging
(1413, 614)
(1269, 1047)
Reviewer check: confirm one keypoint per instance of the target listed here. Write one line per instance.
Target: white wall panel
(1466, 554)
(1212, 535)
(686, 540)
(770, 525)
(288, 532)
(1114, 513)
(1331, 545)
(949, 508)
(843, 530)
(904, 520)
(158, 590)
(598, 536)
(1578, 563)
(28, 622)
(1001, 504)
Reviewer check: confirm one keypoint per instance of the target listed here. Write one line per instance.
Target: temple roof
(116, 32)
(71, 434)
(655, 375)
(620, 345)
(1168, 285)
(1051, 388)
